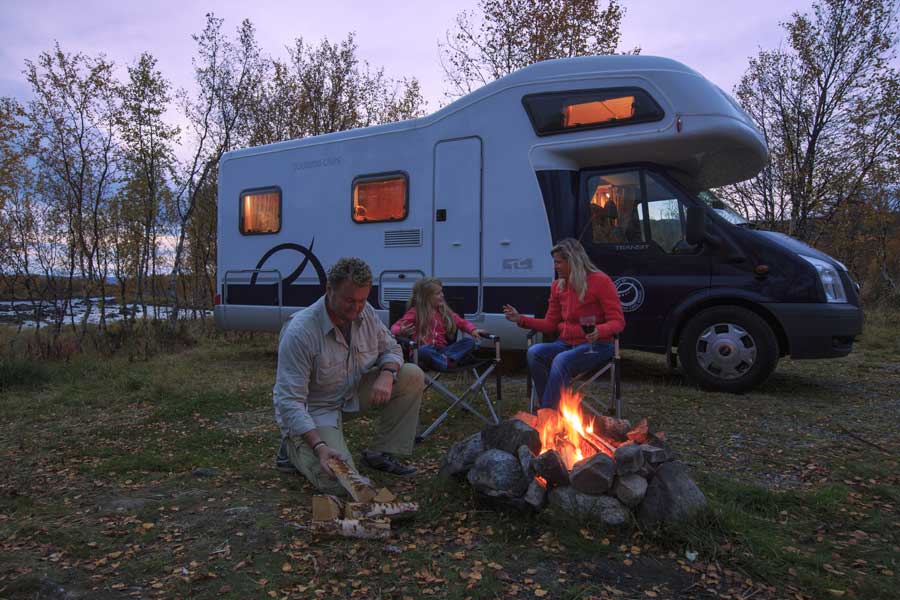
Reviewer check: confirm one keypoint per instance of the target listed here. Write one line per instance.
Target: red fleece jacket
(600, 300)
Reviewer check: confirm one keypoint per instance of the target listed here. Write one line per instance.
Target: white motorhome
(616, 151)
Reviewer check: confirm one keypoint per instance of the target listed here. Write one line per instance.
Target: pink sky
(716, 38)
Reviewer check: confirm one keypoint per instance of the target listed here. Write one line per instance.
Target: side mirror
(696, 225)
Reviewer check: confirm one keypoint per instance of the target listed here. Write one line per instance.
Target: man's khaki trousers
(398, 422)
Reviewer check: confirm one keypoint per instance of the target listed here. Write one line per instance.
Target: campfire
(567, 430)
(593, 467)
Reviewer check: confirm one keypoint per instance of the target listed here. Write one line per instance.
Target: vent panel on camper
(403, 238)
(391, 294)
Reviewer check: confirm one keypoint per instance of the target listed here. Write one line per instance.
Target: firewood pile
(368, 515)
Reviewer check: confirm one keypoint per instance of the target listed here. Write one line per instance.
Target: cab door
(632, 223)
(457, 222)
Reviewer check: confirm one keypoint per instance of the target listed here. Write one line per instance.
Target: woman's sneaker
(382, 461)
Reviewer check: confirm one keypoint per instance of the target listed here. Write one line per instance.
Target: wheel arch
(694, 304)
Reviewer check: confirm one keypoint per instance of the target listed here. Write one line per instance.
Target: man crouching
(337, 357)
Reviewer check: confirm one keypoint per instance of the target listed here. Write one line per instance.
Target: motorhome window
(260, 211)
(615, 212)
(561, 112)
(722, 209)
(665, 216)
(380, 198)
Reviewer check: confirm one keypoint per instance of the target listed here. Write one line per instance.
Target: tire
(728, 349)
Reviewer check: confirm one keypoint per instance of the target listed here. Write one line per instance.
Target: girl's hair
(422, 292)
(580, 266)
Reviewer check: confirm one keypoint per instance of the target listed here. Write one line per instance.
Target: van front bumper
(819, 330)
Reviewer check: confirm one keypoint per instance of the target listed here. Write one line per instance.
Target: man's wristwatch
(392, 371)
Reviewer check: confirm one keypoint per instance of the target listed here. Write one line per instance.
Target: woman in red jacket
(584, 312)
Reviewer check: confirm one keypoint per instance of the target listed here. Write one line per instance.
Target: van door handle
(505, 242)
(456, 244)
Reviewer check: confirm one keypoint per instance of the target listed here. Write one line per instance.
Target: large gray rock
(525, 457)
(511, 434)
(461, 456)
(593, 475)
(656, 455)
(498, 474)
(629, 459)
(535, 495)
(603, 510)
(672, 496)
(630, 489)
(551, 467)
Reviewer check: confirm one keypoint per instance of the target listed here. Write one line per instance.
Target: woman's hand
(407, 330)
(593, 336)
(511, 313)
(477, 333)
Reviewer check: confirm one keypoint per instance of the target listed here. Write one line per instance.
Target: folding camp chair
(583, 384)
(474, 367)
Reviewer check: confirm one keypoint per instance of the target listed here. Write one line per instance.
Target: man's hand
(325, 454)
(381, 389)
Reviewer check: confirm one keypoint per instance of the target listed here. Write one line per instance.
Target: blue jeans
(432, 356)
(555, 364)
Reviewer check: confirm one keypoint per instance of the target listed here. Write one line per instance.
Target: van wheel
(728, 349)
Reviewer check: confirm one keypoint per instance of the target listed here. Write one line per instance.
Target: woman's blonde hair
(422, 292)
(580, 266)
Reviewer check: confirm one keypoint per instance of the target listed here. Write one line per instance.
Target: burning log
(599, 444)
(358, 486)
(365, 529)
(392, 510)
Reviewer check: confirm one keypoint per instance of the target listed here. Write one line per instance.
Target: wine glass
(588, 323)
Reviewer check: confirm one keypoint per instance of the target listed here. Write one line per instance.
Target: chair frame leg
(477, 385)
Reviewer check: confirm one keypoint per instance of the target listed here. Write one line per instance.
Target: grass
(98, 491)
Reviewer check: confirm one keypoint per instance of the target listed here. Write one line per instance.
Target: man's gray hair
(350, 268)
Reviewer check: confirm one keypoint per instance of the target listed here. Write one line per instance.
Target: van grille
(403, 238)
(390, 294)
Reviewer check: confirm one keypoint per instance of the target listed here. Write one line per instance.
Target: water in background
(16, 312)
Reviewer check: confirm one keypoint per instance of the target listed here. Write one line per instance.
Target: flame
(566, 430)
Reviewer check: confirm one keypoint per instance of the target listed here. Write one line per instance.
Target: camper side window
(260, 211)
(562, 112)
(383, 197)
(615, 208)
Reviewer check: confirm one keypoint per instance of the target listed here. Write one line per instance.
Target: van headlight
(830, 278)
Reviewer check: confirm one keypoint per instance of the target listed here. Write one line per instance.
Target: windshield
(722, 209)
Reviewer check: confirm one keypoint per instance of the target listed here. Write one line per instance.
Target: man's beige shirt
(318, 374)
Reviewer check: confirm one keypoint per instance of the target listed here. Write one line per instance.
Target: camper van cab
(619, 152)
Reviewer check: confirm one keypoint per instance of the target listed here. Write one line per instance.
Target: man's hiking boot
(382, 461)
(283, 461)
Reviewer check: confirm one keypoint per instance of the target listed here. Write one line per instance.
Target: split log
(326, 508)
(391, 510)
(527, 418)
(384, 495)
(364, 529)
(358, 486)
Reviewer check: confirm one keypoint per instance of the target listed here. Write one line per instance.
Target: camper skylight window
(260, 211)
(380, 198)
(561, 112)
